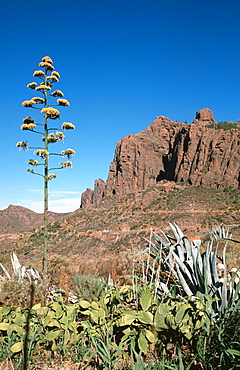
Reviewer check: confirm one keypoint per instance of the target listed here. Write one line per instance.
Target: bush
(220, 349)
(88, 286)
(223, 125)
(60, 273)
(21, 294)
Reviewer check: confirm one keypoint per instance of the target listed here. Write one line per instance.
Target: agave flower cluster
(22, 144)
(47, 104)
(47, 77)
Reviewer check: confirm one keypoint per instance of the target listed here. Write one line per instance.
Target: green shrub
(123, 329)
(223, 125)
(88, 286)
(133, 227)
(219, 348)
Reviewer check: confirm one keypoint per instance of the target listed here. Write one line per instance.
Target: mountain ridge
(198, 153)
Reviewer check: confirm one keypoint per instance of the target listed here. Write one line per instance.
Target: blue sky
(122, 63)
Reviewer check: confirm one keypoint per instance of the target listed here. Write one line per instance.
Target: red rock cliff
(176, 151)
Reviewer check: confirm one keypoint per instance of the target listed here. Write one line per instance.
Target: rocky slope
(174, 151)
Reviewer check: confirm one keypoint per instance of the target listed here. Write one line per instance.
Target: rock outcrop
(204, 116)
(173, 151)
(92, 196)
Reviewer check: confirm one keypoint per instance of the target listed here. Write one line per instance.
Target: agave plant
(19, 271)
(178, 262)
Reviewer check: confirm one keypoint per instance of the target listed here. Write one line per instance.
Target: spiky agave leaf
(155, 250)
(16, 264)
(195, 272)
(176, 231)
(219, 233)
(20, 271)
(6, 272)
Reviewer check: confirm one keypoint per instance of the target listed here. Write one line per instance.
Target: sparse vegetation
(223, 125)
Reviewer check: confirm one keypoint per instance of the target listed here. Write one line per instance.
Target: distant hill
(17, 219)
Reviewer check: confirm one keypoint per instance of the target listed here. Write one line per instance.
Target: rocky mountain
(170, 172)
(17, 219)
(199, 153)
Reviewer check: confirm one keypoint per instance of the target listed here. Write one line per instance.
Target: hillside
(100, 237)
(16, 220)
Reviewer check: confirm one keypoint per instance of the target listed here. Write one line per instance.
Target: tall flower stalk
(48, 78)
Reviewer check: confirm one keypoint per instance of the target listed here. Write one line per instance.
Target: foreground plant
(219, 347)
(117, 331)
(176, 263)
(48, 78)
(19, 271)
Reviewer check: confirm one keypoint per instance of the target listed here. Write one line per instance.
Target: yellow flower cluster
(32, 85)
(51, 176)
(68, 126)
(60, 135)
(52, 78)
(28, 126)
(22, 144)
(57, 93)
(33, 162)
(28, 120)
(38, 73)
(51, 112)
(38, 100)
(47, 59)
(63, 102)
(42, 153)
(66, 164)
(47, 66)
(28, 103)
(68, 152)
(51, 138)
(43, 87)
(55, 73)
